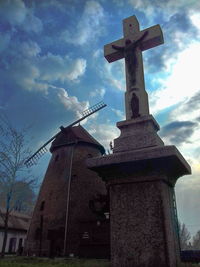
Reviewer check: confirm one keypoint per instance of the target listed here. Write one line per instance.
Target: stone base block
(142, 211)
(143, 226)
(137, 133)
(164, 159)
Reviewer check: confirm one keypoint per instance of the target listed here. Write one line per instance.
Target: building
(18, 225)
(69, 216)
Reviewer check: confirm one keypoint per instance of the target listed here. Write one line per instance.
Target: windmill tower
(65, 196)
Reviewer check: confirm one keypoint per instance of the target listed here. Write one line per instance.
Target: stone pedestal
(137, 133)
(141, 174)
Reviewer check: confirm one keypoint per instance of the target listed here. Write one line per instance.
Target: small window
(42, 205)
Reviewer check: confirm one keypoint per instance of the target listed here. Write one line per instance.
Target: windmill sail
(43, 149)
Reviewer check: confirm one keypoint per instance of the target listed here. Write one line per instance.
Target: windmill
(43, 149)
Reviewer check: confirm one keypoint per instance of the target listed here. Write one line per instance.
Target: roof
(17, 221)
(72, 135)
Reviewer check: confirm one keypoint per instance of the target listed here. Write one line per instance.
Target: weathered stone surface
(143, 222)
(164, 159)
(155, 38)
(137, 133)
(142, 212)
(138, 226)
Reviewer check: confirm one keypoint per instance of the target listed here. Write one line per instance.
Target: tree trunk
(5, 234)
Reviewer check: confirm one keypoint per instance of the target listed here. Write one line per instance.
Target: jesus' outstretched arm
(141, 38)
(119, 48)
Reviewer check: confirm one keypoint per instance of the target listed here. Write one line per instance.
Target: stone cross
(130, 47)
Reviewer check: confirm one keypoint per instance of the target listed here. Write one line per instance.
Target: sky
(52, 68)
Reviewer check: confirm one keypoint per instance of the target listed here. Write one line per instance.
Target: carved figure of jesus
(129, 51)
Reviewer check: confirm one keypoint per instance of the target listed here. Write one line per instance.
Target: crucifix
(130, 48)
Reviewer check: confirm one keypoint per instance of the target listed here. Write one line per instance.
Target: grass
(15, 261)
(45, 262)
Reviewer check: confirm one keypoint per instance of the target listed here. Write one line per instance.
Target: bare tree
(23, 196)
(13, 177)
(184, 236)
(196, 241)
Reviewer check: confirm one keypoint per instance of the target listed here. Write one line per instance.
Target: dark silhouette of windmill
(43, 149)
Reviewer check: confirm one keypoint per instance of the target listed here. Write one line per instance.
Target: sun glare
(183, 81)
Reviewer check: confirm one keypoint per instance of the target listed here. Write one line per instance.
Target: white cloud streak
(104, 133)
(99, 92)
(170, 6)
(119, 113)
(54, 67)
(71, 102)
(114, 74)
(89, 26)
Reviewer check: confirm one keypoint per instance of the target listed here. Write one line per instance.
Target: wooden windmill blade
(43, 149)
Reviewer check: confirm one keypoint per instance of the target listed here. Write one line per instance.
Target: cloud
(179, 33)
(192, 104)
(32, 23)
(178, 132)
(181, 83)
(28, 49)
(187, 132)
(98, 53)
(13, 11)
(44, 113)
(4, 41)
(53, 3)
(98, 92)
(195, 18)
(114, 74)
(18, 15)
(54, 67)
(30, 70)
(189, 110)
(18, 67)
(168, 6)
(26, 76)
(89, 26)
(119, 113)
(63, 101)
(179, 21)
(77, 69)
(104, 133)
(72, 103)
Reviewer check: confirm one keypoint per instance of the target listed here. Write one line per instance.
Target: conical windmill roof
(72, 135)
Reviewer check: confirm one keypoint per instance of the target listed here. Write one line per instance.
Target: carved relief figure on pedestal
(134, 106)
